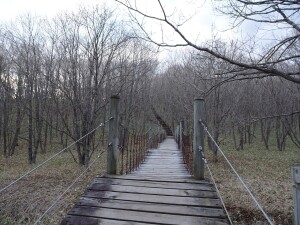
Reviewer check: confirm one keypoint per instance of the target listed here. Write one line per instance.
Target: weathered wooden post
(176, 134)
(113, 139)
(150, 145)
(181, 127)
(198, 140)
(159, 135)
(296, 194)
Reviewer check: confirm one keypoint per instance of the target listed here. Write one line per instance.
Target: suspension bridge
(150, 179)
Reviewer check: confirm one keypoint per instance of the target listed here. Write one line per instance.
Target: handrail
(52, 157)
(217, 189)
(236, 173)
(65, 191)
(136, 148)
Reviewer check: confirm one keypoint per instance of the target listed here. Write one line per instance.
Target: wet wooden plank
(154, 207)
(140, 177)
(160, 191)
(174, 200)
(84, 220)
(155, 184)
(146, 217)
(152, 190)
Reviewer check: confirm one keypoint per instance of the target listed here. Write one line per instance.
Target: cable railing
(217, 189)
(134, 147)
(129, 149)
(185, 145)
(59, 197)
(234, 171)
(47, 161)
(51, 158)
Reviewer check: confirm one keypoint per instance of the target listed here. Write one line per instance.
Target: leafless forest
(57, 76)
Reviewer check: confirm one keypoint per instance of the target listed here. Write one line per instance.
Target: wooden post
(176, 134)
(296, 193)
(198, 140)
(150, 145)
(113, 140)
(158, 136)
(181, 127)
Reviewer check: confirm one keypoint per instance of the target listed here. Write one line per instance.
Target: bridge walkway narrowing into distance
(160, 191)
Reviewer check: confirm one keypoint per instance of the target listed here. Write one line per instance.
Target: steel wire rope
(217, 189)
(136, 136)
(236, 173)
(186, 157)
(138, 162)
(133, 163)
(52, 157)
(66, 190)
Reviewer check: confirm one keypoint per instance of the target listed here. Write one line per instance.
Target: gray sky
(203, 18)
(203, 24)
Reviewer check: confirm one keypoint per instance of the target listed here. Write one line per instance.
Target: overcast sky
(203, 18)
(204, 22)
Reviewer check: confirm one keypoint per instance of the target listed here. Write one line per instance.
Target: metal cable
(218, 192)
(52, 157)
(138, 162)
(239, 177)
(71, 185)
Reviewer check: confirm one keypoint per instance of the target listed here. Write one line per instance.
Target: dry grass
(24, 202)
(268, 175)
(267, 172)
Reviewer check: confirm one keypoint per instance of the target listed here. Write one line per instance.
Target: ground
(268, 175)
(267, 172)
(28, 199)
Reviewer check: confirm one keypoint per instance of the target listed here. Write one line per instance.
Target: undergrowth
(268, 175)
(266, 172)
(27, 200)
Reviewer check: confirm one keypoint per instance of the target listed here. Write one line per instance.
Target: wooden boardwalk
(160, 192)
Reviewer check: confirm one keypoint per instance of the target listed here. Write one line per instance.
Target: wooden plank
(160, 191)
(158, 177)
(154, 172)
(162, 170)
(175, 200)
(162, 175)
(159, 170)
(146, 217)
(164, 159)
(166, 154)
(154, 207)
(163, 163)
(153, 191)
(154, 184)
(188, 180)
(84, 220)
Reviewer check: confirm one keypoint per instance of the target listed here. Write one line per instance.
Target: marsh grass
(28, 199)
(266, 172)
(268, 175)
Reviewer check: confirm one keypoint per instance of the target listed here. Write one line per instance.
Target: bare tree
(277, 61)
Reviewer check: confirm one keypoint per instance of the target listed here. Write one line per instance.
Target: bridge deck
(159, 192)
